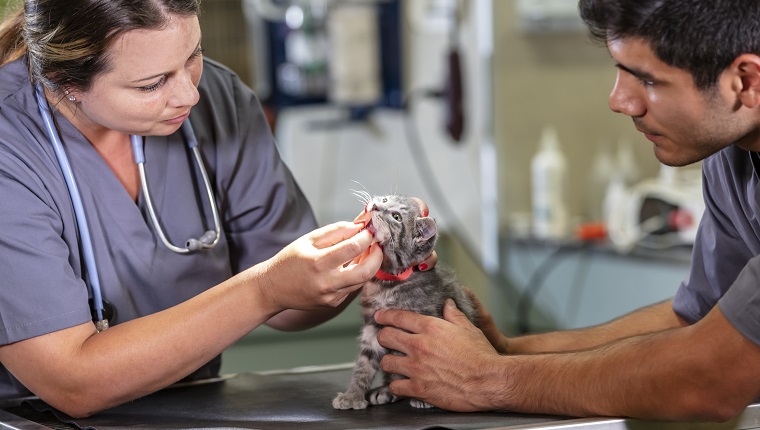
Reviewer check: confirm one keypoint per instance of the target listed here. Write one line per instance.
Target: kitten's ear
(426, 228)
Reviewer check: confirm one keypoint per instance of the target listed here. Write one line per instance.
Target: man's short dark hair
(702, 37)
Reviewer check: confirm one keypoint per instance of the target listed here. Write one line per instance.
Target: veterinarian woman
(218, 243)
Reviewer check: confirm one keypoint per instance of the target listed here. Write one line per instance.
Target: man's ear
(745, 72)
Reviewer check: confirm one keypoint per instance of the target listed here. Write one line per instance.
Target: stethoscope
(207, 240)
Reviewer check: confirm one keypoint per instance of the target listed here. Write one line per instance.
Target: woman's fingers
(364, 267)
(429, 262)
(363, 218)
(332, 234)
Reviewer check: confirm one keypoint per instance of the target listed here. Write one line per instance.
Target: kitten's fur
(407, 238)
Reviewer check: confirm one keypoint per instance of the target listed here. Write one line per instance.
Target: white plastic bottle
(548, 169)
(626, 163)
(602, 171)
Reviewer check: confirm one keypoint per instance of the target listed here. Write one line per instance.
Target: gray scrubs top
(725, 266)
(41, 264)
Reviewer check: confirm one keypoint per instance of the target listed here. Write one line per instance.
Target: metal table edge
(749, 419)
(9, 421)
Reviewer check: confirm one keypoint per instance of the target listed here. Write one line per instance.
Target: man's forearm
(700, 372)
(646, 320)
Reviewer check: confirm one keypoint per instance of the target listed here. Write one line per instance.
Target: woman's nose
(185, 92)
(626, 97)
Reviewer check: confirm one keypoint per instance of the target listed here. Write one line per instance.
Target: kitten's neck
(385, 276)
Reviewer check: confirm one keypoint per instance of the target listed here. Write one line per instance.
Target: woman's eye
(397, 216)
(197, 53)
(154, 87)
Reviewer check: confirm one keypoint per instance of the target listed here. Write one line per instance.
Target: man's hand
(487, 325)
(449, 362)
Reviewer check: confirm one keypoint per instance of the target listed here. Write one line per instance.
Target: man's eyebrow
(637, 73)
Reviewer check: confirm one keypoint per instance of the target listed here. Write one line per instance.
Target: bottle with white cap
(548, 168)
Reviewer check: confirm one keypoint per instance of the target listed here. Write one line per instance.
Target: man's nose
(626, 97)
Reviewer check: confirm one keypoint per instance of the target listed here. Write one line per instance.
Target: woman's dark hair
(702, 37)
(65, 41)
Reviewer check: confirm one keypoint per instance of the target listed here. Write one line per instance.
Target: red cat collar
(383, 276)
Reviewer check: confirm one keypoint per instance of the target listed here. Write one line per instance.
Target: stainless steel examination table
(302, 399)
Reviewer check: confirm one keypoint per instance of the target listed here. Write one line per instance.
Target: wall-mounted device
(325, 51)
(537, 16)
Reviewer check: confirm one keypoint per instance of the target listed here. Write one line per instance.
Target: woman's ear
(745, 79)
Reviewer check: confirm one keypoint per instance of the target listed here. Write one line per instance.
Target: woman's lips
(178, 119)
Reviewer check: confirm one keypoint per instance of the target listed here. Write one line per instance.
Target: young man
(688, 75)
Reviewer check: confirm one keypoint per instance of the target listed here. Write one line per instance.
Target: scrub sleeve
(725, 267)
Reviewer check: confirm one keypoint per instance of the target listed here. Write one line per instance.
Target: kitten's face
(405, 235)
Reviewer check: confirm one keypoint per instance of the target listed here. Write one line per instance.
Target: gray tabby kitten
(407, 237)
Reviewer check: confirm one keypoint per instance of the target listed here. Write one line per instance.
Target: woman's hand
(321, 268)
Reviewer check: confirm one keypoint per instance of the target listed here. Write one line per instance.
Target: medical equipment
(655, 213)
(209, 239)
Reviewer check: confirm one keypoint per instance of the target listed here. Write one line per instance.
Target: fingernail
(423, 266)
(450, 303)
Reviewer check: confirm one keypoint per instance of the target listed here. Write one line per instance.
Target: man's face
(685, 124)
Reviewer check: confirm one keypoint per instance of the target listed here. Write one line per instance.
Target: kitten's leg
(414, 402)
(420, 404)
(364, 373)
(382, 395)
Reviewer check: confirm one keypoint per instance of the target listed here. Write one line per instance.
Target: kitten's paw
(349, 401)
(420, 404)
(381, 396)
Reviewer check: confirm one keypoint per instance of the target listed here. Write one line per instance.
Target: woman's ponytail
(12, 44)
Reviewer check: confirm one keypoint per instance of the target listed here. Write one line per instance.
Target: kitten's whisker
(358, 197)
(359, 184)
(362, 196)
(365, 194)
